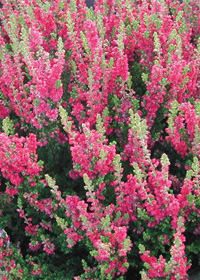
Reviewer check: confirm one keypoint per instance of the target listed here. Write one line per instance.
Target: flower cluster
(18, 156)
(99, 139)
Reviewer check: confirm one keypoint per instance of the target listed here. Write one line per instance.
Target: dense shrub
(99, 139)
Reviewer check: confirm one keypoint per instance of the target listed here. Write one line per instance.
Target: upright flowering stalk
(18, 156)
(99, 67)
(88, 74)
(109, 241)
(89, 150)
(30, 76)
(189, 198)
(183, 127)
(94, 164)
(151, 189)
(166, 54)
(176, 267)
(137, 138)
(124, 149)
(10, 259)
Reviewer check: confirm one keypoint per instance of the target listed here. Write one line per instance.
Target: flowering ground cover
(99, 139)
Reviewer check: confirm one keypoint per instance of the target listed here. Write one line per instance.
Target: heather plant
(99, 139)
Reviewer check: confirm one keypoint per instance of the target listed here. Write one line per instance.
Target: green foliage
(53, 202)
(7, 126)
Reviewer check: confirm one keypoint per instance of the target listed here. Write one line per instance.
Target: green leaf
(61, 5)
(58, 84)
(106, 222)
(141, 248)
(36, 102)
(8, 126)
